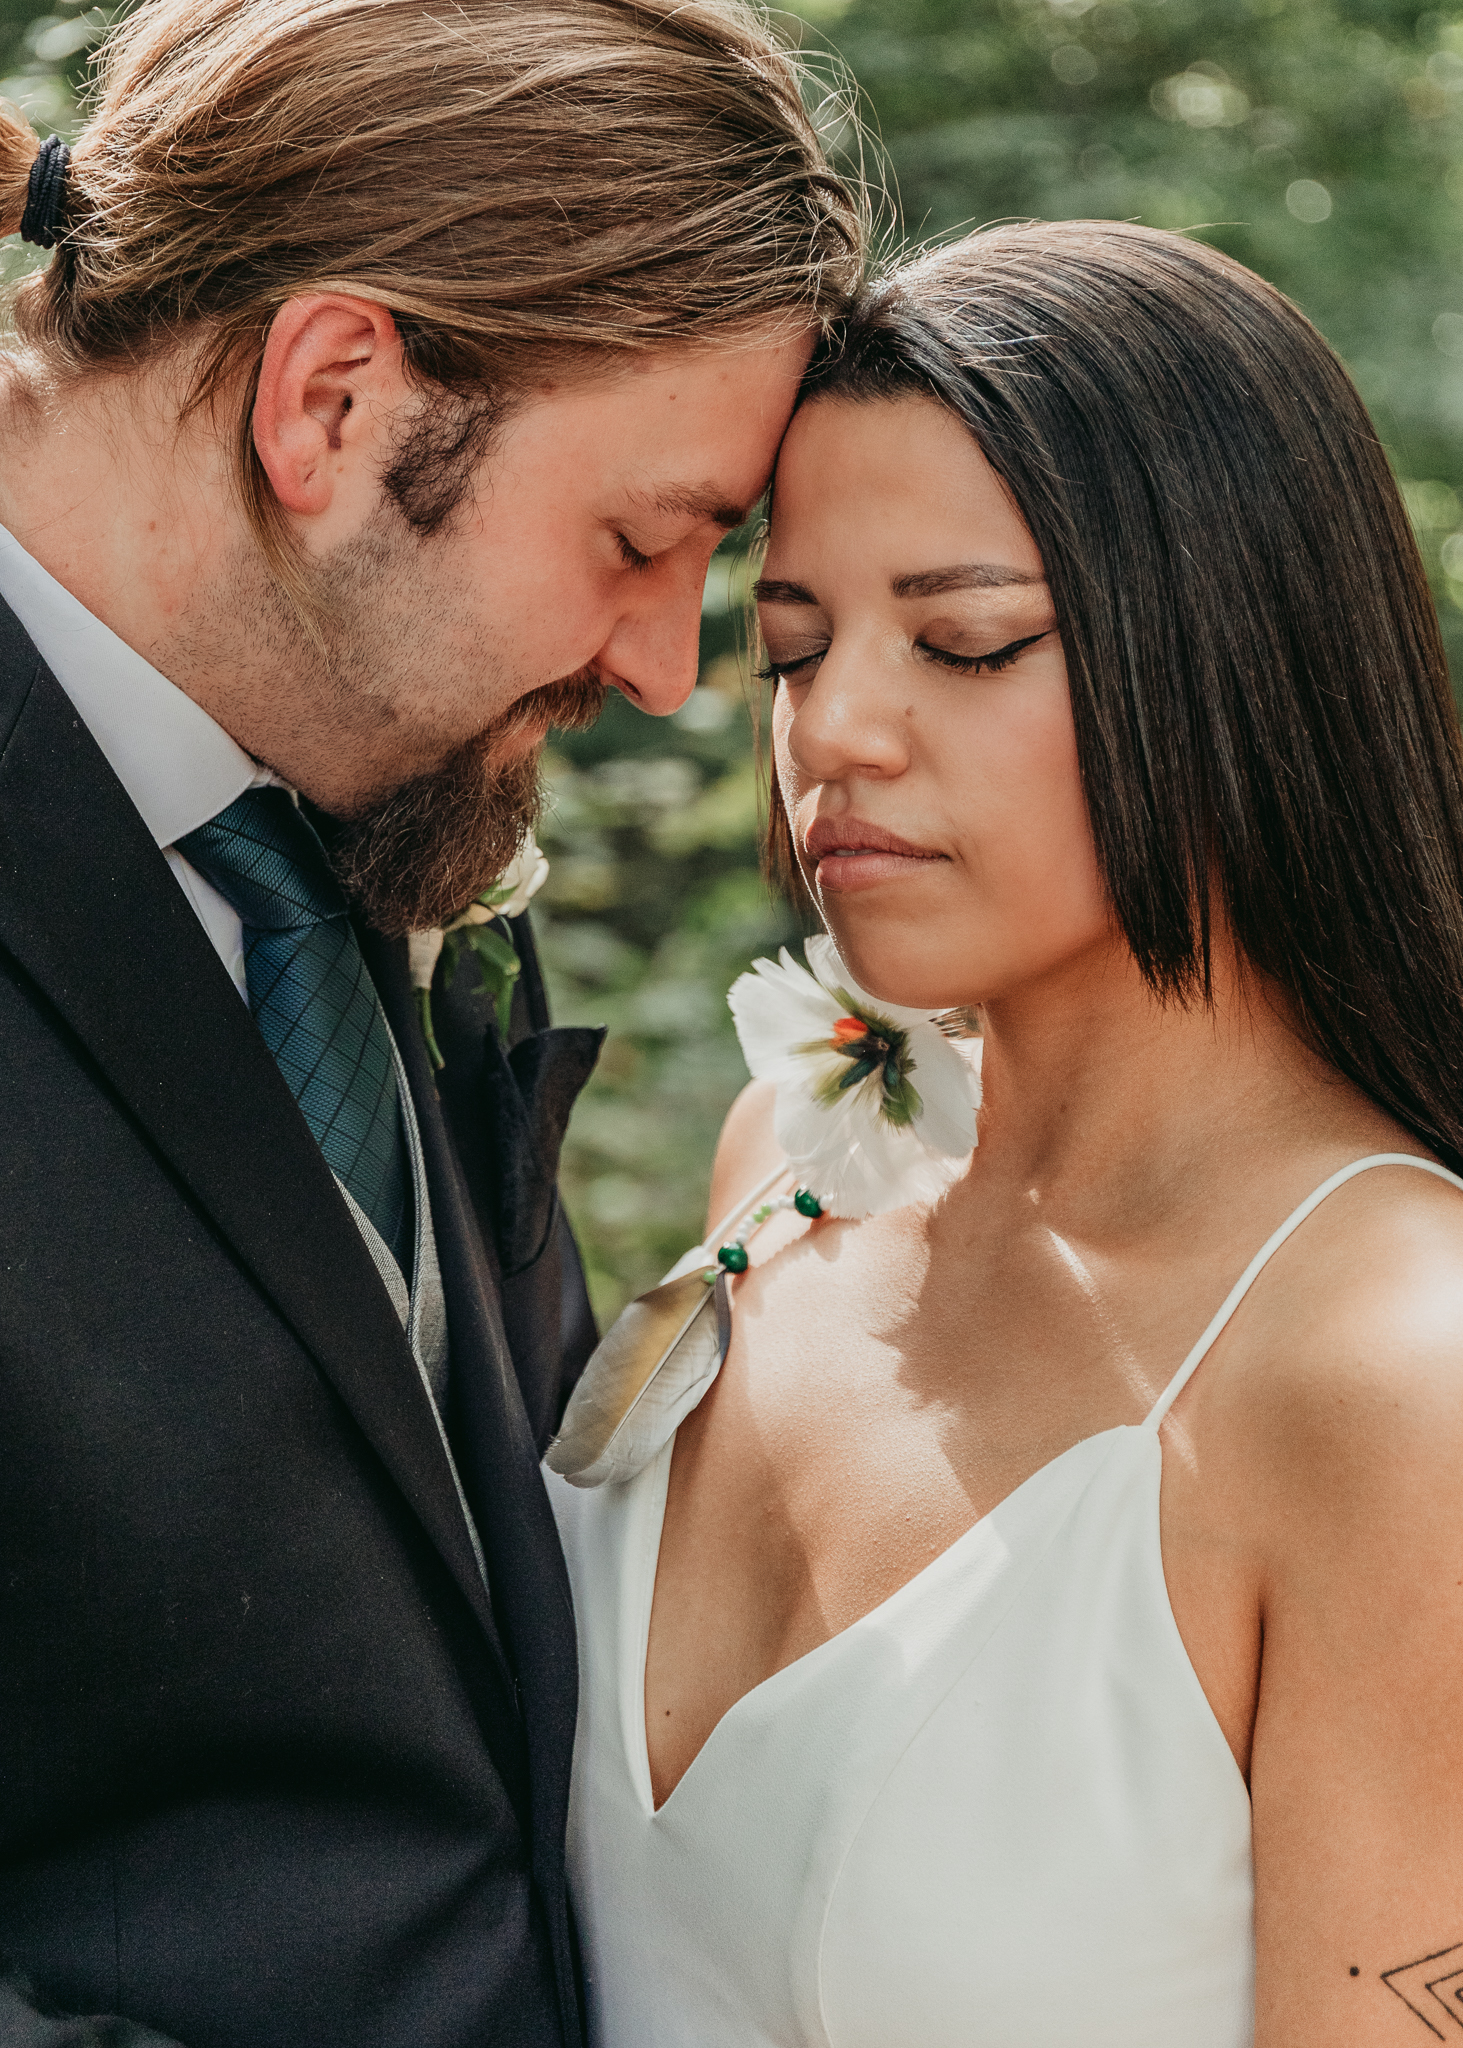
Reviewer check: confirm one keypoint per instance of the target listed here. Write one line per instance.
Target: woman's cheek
(790, 786)
(782, 716)
(789, 778)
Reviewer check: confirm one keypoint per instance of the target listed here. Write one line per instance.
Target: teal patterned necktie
(311, 995)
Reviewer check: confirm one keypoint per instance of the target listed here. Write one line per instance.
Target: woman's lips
(862, 856)
(842, 872)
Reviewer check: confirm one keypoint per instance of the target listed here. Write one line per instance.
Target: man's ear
(331, 366)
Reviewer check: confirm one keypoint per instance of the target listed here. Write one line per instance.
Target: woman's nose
(850, 720)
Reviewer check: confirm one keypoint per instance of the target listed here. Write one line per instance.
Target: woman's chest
(862, 1423)
(851, 1437)
(994, 1810)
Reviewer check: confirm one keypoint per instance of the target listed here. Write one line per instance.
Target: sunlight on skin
(891, 1381)
(584, 545)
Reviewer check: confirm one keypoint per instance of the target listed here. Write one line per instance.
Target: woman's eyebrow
(768, 590)
(964, 576)
(919, 583)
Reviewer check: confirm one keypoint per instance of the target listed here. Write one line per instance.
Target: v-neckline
(650, 1550)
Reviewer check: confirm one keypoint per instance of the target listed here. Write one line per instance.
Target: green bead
(733, 1257)
(710, 1274)
(806, 1203)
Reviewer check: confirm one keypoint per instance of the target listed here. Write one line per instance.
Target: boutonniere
(475, 932)
(875, 1108)
(875, 1103)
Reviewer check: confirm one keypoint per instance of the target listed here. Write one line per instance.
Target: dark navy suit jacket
(277, 1770)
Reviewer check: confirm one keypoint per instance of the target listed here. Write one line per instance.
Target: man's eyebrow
(768, 590)
(695, 501)
(963, 576)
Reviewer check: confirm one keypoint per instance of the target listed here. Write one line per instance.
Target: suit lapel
(91, 913)
(498, 1459)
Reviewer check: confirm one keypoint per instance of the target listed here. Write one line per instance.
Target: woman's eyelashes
(998, 659)
(774, 671)
(993, 663)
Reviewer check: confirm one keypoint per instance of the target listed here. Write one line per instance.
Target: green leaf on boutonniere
(424, 1018)
(497, 960)
(483, 930)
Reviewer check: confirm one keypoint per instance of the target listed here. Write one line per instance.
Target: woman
(970, 1660)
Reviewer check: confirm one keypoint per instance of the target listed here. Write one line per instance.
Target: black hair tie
(45, 206)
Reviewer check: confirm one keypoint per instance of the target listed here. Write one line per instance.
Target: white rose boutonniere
(475, 931)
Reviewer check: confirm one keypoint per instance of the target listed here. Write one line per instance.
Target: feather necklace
(862, 1136)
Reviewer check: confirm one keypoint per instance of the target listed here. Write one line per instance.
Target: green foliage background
(1320, 141)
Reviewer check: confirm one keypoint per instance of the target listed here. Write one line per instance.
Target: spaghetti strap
(748, 1202)
(705, 1253)
(1262, 1258)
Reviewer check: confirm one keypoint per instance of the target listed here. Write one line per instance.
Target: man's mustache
(415, 857)
(572, 704)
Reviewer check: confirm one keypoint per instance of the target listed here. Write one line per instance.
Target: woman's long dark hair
(1263, 716)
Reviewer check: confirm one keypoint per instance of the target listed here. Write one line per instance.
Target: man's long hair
(533, 187)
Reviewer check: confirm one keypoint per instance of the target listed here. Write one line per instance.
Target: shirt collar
(177, 764)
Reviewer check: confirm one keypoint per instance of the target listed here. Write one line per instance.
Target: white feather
(847, 1150)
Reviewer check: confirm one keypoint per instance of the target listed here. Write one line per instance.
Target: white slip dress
(995, 1812)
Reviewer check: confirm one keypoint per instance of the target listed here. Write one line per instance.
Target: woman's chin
(892, 972)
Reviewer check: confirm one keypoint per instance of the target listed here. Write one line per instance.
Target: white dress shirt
(180, 769)
(177, 764)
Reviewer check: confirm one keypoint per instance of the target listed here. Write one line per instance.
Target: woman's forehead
(896, 487)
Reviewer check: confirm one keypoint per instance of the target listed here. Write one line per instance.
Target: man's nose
(653, 653)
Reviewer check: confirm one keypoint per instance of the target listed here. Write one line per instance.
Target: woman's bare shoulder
(1348, 1405)
(1353, 1374)
(746, 1152)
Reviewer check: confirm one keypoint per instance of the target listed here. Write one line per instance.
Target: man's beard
(387, 609)
(419, 856)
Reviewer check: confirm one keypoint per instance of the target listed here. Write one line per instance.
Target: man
(397, 370)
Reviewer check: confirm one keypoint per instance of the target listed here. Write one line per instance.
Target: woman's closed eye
(796, 667)
(993, 663)
(775, 671)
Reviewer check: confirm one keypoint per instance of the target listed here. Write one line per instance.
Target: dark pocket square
(528, 1094)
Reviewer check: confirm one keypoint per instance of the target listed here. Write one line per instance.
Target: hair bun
(45, 204)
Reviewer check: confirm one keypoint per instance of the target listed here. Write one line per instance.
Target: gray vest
(421, 1307)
